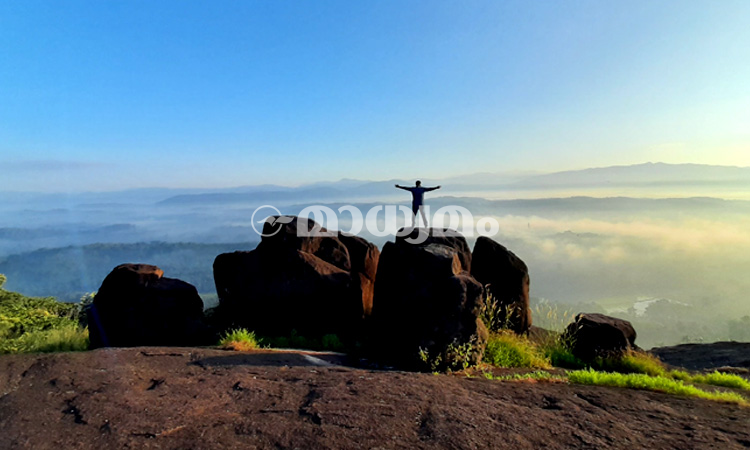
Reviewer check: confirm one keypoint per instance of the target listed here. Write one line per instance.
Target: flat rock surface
(203, 398)
(706, 356)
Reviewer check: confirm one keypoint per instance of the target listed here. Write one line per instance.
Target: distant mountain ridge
(643, 175)
(647, 174)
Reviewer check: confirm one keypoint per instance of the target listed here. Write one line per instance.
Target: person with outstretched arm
(417, 199)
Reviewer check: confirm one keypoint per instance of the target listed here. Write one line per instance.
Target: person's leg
(424, 216)
(414, 214)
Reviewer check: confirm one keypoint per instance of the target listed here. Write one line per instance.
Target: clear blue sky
(102, 95)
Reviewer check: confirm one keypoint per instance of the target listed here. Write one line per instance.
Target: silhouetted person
(417, 199)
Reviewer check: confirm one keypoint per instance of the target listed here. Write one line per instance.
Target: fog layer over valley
(665, 246)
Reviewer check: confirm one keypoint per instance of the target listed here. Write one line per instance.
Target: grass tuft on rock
(539, 375)
(632, 362)
(717, 378)
(239, 339)
(506, 349)
(651, 383)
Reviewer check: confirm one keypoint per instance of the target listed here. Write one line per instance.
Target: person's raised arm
(432, 188)
(402, 187)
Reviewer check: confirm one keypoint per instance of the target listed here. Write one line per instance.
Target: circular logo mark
(269, 219)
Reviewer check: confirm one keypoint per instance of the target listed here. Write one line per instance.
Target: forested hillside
(69, 272)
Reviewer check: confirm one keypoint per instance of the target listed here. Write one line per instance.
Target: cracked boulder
(426, 307)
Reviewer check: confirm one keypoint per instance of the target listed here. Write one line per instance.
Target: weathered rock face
(329, 247)
(425, 301)
(507, 279)
(364, 258)
(136, 305)
(592, 335)
(444, 236)
(312, 284)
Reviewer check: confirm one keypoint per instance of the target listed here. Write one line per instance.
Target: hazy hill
(69, 272)
(220, 198)
(652, 174)
(647, 176)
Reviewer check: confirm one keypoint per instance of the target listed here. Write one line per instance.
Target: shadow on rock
(276, 359)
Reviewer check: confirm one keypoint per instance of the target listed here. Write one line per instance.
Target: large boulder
(274, 292)
(316, 285)
(443, 236)
(299, 233)
(426, 308)
(136, 305)
(507, 280)
(598, 335)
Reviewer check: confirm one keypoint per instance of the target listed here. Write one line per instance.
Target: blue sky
(110, 95)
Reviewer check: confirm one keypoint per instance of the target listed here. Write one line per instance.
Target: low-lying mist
(677, 268)
(695, 268)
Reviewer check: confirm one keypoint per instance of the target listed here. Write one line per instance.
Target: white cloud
(618, 240)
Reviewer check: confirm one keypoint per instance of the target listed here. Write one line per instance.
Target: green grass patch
(32, 325)
(558, 352)
(239, 339)
(20, 314)
(539, 375)
(632, 362)
(651, 383)
(717, 378)
(66, 339)
(506, 349)
(657, 383)
(679, 375)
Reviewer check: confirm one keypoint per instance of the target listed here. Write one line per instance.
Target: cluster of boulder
(422, 297)
(316, 283)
